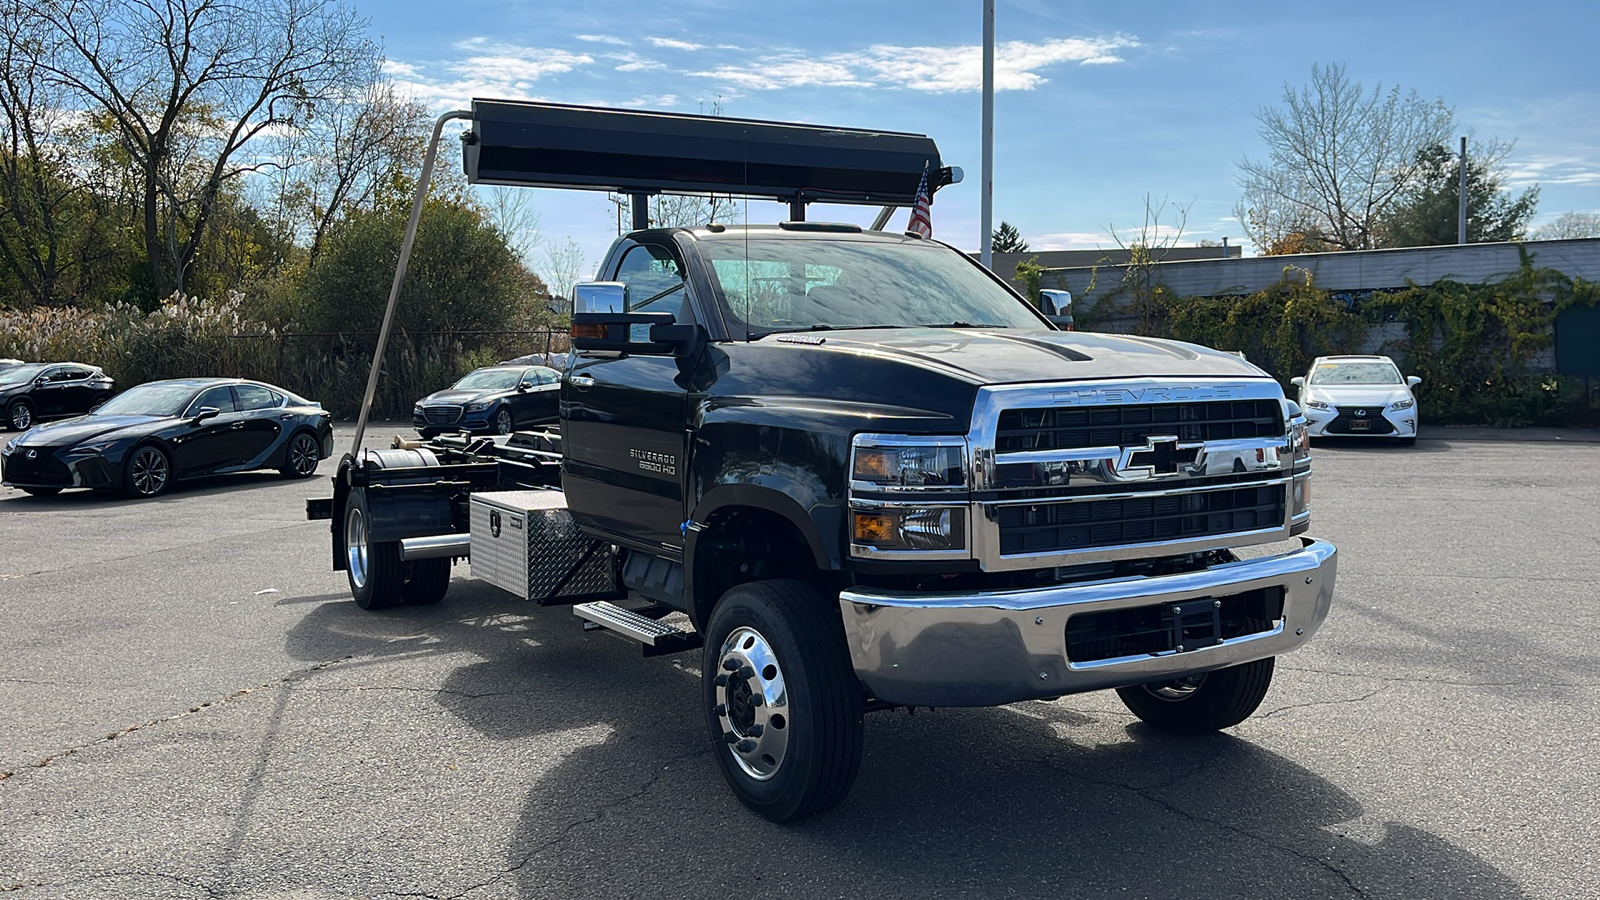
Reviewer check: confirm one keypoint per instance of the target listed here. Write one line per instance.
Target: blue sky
(1099, 104)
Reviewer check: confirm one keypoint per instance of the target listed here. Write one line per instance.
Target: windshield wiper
(959, 324)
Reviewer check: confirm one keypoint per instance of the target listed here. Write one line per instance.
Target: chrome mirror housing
(599, 297)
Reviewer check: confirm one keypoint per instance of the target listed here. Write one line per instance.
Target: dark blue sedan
(152, 435)
(492, 400)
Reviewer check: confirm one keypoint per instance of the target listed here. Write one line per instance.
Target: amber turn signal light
(595, 331)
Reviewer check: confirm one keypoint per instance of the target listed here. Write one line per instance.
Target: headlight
(416, 409)
(886, 463)
(1316, 404)
(477, 406)
(90, 449)
(910, 528)
(1403, 404)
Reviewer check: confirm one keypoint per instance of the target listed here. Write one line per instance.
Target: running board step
(658, 638)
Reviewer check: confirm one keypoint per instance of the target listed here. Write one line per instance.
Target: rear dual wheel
(379, 578)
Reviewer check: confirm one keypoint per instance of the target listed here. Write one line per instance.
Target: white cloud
(651, 101)
(1552, 170)
(1071, 240)
(494, 69)
(601, 39)
(671, 44)
(633, 62)
(932, 69)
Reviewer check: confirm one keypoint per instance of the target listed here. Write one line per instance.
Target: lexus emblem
(1162, 456)
(1360, 412)
(32, 454)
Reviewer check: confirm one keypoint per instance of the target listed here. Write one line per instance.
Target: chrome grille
(1101, 426)
(1086, 524)
(442, 415)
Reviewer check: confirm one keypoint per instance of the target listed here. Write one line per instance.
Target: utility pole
(1461, 210)
(986, 239)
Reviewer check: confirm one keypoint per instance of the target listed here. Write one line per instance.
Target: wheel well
(744, 543)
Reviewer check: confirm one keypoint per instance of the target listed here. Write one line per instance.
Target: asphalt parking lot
(194, 708)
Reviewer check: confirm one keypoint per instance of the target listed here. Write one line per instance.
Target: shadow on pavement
(1033, 800)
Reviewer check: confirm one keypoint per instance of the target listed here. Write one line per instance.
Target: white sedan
(1359, 396)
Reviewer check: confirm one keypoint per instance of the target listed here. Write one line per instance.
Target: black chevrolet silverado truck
(857, 471)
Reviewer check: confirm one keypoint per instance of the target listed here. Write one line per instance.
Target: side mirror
(1413, 380)
(599, 297)
(204, 413)
(643, 334)
(1298, 381)
(41, 380)
(1057, 307)
(523, 387)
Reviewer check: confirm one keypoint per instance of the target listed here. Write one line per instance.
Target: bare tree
(1569, 226)
(1147, 244)
(512, 211)
(33, 162)
(563, 267)
(188, 85)
(1337, 159)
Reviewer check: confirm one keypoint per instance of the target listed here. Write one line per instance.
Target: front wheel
(1201, 703)
(149, 472)
(502, 421)
(783, 706)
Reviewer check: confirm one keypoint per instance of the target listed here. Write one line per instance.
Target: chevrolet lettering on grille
(1162, 456)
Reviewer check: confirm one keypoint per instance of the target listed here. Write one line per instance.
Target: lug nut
(721, 709)
(745, 746)
(755, 730)
(720, 680)
(732, 665)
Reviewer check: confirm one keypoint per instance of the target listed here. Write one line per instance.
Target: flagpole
(986, 238)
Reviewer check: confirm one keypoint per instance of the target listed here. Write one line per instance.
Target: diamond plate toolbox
(527, 543)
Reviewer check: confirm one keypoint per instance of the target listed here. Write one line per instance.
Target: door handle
(237, 426)
(580, 380)
(286, 416)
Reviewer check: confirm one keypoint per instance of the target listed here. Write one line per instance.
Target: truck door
(623, 419)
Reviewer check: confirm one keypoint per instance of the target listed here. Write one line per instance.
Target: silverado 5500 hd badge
(659, 463)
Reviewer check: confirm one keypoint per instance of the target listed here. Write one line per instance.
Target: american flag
(921, 223)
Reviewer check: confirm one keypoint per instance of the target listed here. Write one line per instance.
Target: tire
(1202, 703)
(427, 581)
(301, 456)
(379, 578)
(148, 472)
(42, 491)
(373, 569)
(783, 706)
(19, 415)
(502, 422)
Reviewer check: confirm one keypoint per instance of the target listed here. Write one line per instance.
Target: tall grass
(188, 337)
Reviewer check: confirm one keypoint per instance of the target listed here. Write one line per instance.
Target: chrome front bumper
(988, 648)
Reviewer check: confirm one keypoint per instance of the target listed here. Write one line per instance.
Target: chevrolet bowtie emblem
(1162, 456)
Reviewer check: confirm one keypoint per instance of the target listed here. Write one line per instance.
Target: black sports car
(34, 392)
(491, 400)
(164, 431)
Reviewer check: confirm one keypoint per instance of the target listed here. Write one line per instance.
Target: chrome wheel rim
(1176, 690)
(303, 455)
(355, 546)
(148, 471)
(502, 422)
(752, 703)
(21, 417)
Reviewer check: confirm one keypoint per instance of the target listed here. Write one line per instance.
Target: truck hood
(1009, 356)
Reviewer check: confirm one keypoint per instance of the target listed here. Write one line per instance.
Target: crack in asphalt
(150, 553)
(1167, 805)
(227, 698)
(598, 814)
(1452, 682)
(1364, 697)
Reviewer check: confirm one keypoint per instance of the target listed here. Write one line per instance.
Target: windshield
(777, 284)
(20, 374)
(490, 380)
(148, 400)
(1364, 372)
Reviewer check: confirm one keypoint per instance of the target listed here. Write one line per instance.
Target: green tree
(463, 276)
(1428, 213)
(1008, 240)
